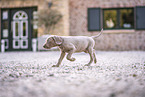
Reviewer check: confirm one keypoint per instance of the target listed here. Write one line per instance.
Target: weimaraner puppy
(72, 44)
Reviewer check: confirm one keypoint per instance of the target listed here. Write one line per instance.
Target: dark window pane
(5, 24)
(17, 16)
(16, 43)
(17, 29)
(110, 18)
(6, 43)
(20, 13)
(24, 16)
(126, 18)
(24, 43)
(24, 29)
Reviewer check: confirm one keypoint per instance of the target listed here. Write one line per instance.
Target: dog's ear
(58, 40)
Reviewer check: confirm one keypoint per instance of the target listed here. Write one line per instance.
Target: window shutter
(140, 17)
(94, 19)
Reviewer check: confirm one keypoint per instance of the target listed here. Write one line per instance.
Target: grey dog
(72, 44)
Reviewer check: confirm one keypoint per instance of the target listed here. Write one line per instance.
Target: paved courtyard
(29, 74)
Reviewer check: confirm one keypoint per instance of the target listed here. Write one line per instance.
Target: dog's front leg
(60, 59)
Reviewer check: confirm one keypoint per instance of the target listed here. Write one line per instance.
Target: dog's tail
(98, 34)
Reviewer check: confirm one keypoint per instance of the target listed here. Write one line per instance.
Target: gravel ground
(28, 74)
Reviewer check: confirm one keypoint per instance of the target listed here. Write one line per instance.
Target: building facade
(123, 22)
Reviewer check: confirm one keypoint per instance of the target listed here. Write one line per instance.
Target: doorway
(20, 30)
(17, 28)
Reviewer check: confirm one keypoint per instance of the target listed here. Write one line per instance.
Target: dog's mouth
(46, 47)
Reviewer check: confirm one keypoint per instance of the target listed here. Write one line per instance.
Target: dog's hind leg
(90, 51)
(95, 60)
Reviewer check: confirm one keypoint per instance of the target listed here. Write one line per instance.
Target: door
(20, 30)
(17, 29)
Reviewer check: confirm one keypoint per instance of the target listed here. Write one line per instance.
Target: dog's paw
(95, 61)
(87, 64)
(72, 59)
(55, 66)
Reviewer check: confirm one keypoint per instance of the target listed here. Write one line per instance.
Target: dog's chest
(64, 49)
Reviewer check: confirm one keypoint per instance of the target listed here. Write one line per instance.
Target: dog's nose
(44, 46)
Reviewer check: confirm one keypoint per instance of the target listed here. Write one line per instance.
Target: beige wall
(111, 39)
(63, 27)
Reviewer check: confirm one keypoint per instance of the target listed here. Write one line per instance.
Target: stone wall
(121, 41)
(111, 39)
(20, 3)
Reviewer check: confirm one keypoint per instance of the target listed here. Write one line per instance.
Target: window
(20, 15)
(118, 18)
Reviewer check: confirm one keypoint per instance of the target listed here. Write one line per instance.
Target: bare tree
(48, 18)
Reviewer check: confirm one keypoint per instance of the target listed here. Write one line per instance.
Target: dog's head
(52, 41)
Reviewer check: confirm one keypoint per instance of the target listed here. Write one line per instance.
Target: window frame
(118, 18)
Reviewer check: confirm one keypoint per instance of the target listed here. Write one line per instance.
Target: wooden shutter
(94, 19)
(140, 17)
